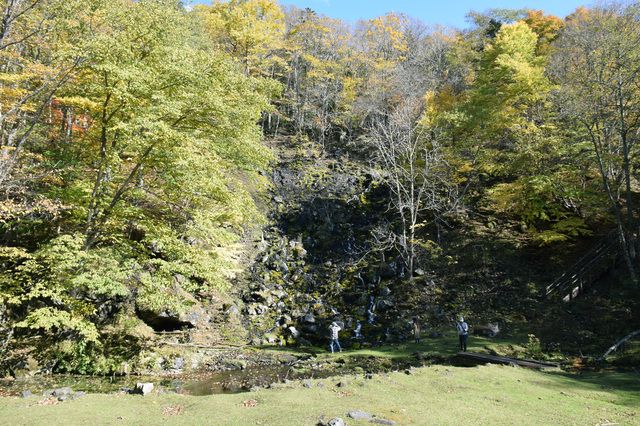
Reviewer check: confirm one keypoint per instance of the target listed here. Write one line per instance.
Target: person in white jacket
(463, 334)
(334, 328)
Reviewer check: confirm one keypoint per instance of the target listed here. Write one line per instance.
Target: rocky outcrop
(313, 263)
(170, 320)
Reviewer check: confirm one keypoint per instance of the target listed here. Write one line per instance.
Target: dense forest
(138, 141)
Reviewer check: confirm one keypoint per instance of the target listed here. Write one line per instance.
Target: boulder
(383, 305)
(285, 319)
(310, 329)
(25, 367)
(232, 387)
(263, 296)
(178, 363)
(232, 311)
(261, 309)
(488, 330)
(293, 332)
(297, 250)
(325, 421)
(303, 342)
(359, 415)
(142, 388)
(386, 270)
(383, 422)
(270, 338)
(62, 392)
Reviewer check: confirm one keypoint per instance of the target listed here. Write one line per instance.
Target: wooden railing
(588, 269)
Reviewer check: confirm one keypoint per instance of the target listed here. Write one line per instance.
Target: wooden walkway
(471, 359)
(587, 270)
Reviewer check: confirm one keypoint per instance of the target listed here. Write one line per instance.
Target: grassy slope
(431, 395)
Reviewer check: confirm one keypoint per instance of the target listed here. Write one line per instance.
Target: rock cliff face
(314, 263)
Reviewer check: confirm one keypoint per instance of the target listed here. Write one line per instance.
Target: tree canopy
(131, 135)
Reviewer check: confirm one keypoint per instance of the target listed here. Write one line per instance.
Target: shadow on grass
(622, 388)
(441, 347)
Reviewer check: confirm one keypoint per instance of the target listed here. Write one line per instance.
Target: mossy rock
(25, 368)
(271, 338)
(238, 363)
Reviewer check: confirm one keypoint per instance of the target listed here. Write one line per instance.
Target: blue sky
(443, 12)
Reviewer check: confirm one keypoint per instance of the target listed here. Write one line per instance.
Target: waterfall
(371, 315)
(358, 329)
(361, 279)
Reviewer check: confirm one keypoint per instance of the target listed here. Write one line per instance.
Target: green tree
(546, 27)
(37, 58)
(596, 62)
(510, 82)
(247, 29)
(152, 181)
(151, 138)
(316, 77)
(382, 46)
(510, 113)
(484, 28)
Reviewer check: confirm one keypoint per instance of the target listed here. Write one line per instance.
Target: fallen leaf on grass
(46, 401)
(171, 410)
(249, 403)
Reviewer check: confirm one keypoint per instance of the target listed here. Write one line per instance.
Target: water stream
(358, 330)
(197, 384)
(370, 314)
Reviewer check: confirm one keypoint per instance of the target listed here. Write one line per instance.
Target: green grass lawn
(430, 395)
(433, 395)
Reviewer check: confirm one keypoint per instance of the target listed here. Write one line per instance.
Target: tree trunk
(617, 345)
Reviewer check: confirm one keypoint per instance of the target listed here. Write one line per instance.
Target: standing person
(334, 328)
(463, 334)
(416, 330)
